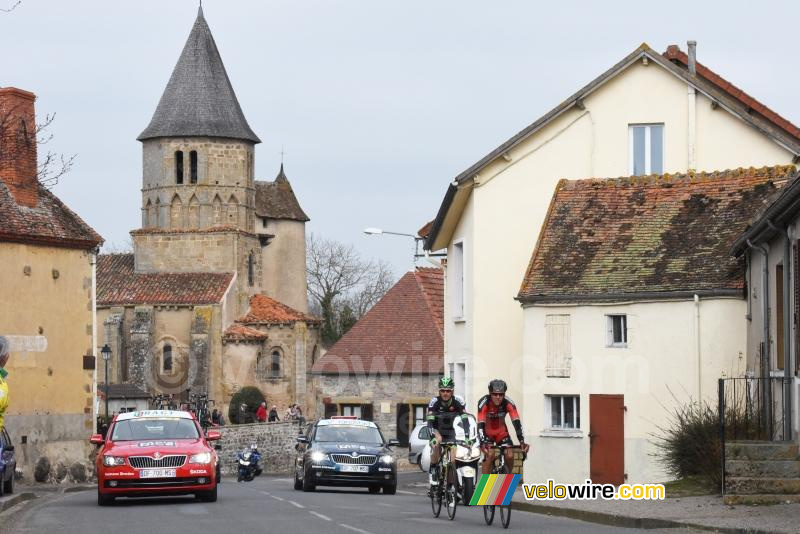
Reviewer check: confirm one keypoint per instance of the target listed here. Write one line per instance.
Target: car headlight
(387, 459)
(202, 458)
(111, 461)
(317, 456)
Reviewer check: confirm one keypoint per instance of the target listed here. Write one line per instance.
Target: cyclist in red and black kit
(492, 429)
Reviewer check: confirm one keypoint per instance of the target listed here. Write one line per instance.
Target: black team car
(345, 451)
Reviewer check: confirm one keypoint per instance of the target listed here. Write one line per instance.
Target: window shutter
(559, 357)
(331, 410)
(366, 412)
(403, 426)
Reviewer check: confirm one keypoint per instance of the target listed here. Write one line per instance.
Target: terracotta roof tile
(50, 222)
(240, 332)
(675, 54)
(637, 235)
(402, 333)
(265, 310)
(118, 284)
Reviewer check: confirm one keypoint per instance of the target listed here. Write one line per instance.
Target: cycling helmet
(446, 383)
(253, 447)
(497, 386)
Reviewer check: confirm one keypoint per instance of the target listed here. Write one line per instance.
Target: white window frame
(458, 277)
(648, 168)
(610, 342)
(351, 410)
(576, 406)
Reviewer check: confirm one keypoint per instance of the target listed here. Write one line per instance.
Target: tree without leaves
(341, 285)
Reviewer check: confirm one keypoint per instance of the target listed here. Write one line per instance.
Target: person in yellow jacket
(5, 351)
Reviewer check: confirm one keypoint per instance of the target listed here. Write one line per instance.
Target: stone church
(213, 296)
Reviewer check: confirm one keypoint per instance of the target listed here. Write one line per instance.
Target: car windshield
(149, 429)
(349, 434)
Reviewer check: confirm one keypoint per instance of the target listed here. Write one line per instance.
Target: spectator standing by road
(261, 413)
(5, 352)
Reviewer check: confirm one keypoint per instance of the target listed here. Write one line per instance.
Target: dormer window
(178, 167)
(193, 166)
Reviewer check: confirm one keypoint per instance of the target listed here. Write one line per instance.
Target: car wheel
(390, 489)
(374, 489)
(307, 484)
(298, 484)
(8, 486)
(209, 496)
(104, 500)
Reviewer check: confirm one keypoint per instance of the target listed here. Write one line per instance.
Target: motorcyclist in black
(442, 412)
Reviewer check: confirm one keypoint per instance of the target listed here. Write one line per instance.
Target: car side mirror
(9, 448)
(393, 443)
(302, 439)
(213, 435)
(97, 439)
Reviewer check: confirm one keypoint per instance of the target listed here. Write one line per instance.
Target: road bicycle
(500, 468)
(198, 403)
(162, 402)
(446, 490)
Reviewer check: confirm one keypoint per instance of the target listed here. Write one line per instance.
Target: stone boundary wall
(275, 442)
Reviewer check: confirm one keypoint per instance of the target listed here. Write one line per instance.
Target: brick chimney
(18, 145)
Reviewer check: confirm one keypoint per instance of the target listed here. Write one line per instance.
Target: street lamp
(417, 241)
(106, 352)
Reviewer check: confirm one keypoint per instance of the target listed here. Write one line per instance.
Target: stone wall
(275, 442)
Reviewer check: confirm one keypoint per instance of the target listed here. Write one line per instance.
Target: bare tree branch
(12, 8)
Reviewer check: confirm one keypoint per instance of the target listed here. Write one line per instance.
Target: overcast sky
(378, 104)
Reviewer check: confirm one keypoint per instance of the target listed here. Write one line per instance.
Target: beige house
(212, 240)
(650, 113)
(47, 276)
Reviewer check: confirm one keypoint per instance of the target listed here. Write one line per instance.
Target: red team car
(156, 452)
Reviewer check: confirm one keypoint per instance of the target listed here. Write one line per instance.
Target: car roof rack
(344, 417)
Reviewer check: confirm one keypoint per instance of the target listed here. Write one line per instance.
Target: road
(270, 504)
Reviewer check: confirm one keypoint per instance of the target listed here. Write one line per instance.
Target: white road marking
(296, 504)
(385, 504)
(325, 517)
(407, 492)
(278, 498)
(354, 529)
(268, 494)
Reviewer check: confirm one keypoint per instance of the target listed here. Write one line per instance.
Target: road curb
(613, 520)
(74, 489)
(15, 499)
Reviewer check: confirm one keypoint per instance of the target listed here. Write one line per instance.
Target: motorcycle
(247, 461)
(466, 459)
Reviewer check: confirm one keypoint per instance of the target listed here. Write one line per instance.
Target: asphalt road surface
(270, 504)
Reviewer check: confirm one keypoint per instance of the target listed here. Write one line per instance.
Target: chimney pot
(692, 57)
(18, 145)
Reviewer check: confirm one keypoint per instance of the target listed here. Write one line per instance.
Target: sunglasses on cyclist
(445, 391)
(498, 394)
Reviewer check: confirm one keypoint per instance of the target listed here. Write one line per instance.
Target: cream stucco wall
(510, 198)
(658, 368)
(284, 263)
(47, 291)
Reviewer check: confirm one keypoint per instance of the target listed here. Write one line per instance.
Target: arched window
(262, 367)
(166, 361)
(146, 214)
(178, 167)
(250, 270)
(176, 213)
(275, 368)
(193, 166)
(217, 210)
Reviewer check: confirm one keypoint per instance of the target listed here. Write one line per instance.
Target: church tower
(198, 190)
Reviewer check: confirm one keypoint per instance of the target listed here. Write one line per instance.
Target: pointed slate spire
(199, 99)
(276, 200)
(281, 176)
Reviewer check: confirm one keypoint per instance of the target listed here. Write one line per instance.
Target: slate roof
(266, 310)
(240, 332)
(199, 99)
(647, 237)
(276, 200)
(118, 284)
(122, 391)
(51, 222)
(403, 332)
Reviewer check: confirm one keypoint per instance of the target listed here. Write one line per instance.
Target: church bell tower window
(178, 167)
(193, 166)
(250, 270)
(167, 359)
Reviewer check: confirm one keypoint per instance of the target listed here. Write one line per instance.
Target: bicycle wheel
(436, 494)
(488, 514)
(451, 501)
(505, 515)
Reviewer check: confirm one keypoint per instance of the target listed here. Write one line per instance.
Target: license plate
(157, 473)
(356, 468)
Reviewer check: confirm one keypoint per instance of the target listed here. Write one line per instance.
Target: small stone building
(385, 368)
(47, 258)
(212, 238)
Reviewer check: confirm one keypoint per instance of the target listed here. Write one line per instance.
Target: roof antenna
(282, 154)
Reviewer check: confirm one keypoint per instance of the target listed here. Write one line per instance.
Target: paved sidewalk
(706, 512)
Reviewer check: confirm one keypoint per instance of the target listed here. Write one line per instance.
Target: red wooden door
(606, 439)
